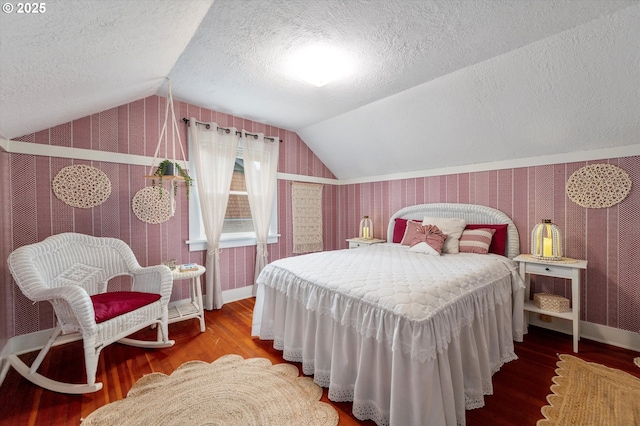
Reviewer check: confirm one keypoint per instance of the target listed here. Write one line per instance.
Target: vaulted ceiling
(435, 83)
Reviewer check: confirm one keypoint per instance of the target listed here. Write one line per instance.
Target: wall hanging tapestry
(587, 393)
(153, 205)
(81, 186)
(598, 186)
(229, 391)
(306, 202)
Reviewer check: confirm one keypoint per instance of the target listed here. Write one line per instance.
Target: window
(238, 215)
(237, 230)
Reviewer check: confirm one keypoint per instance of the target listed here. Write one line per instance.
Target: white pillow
(424, 248)
(452, 227)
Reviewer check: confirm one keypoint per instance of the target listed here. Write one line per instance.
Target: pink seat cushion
(115, 303)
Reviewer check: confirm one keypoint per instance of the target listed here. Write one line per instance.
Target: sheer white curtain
(215, 156)
(260, 168)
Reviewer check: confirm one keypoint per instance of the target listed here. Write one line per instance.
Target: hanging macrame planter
(169, 170)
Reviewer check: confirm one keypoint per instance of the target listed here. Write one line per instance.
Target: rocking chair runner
(71, 271)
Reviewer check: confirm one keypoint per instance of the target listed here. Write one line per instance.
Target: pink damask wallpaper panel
(628, 265)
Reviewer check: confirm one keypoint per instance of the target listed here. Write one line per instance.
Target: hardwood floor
(520, 387)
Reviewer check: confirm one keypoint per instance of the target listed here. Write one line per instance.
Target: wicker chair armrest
(78, 300)
(153, 279)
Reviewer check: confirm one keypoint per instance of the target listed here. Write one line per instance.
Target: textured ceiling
(82, 57)
(436, 83)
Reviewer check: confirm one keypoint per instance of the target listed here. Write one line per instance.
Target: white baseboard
(30, 342)
(600, 333)
(236, 294)
(228, 296)
(588, 330)
(34, 341)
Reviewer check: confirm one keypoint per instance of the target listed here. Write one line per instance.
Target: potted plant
(169, 168)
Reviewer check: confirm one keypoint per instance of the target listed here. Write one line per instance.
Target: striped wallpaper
(606, 237)
(33, 212)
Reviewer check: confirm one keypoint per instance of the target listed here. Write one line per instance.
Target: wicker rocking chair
(71, 271)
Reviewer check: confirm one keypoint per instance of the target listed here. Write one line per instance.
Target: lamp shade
(546, 242)
(366, 228)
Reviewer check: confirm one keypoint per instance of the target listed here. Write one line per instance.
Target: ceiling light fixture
(319, 64)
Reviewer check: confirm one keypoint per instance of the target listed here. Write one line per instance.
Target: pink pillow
(399, 228)
(411, 230)
(431, 235)
(476, 240)
(499, 240)
(416, 233)
(112, 304)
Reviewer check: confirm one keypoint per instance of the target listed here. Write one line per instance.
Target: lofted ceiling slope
(435, 83)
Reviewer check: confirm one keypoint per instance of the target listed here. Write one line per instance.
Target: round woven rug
(590, 394)
(229, 391)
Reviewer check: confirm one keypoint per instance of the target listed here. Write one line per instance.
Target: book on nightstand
(187, 267)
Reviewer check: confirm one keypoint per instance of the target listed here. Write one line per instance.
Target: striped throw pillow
(476, 240)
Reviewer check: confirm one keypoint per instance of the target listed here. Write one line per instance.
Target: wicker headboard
(472, 213)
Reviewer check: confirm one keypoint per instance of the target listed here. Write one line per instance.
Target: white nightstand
(363, 242)
(194, 308)
(563, 269)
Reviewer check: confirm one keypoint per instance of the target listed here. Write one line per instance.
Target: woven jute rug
(586, 393)
(229, 391)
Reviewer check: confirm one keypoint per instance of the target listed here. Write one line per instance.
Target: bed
(411, 339)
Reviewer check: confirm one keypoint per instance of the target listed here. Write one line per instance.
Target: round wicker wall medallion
(81, 186)
(598, 186)
(150, 207)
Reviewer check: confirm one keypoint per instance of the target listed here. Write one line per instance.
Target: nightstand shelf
(529, 306)
(363, 242)
(569, 269)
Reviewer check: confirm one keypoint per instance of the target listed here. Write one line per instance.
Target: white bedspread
(391, 301)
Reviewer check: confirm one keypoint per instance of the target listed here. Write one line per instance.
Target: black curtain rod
(208, 126)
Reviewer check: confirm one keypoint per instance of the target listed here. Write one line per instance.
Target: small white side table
(363, 242)
(194, 308)
(530, 265)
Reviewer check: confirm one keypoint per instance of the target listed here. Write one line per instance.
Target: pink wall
(6, 289)
(33, 212)
(606, 237)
